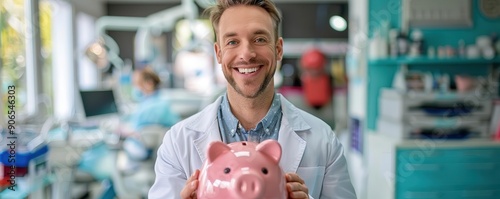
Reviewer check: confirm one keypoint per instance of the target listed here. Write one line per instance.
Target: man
(248, 48)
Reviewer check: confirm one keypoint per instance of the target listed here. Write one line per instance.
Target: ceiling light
(338, 23)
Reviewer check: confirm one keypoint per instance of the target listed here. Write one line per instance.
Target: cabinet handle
(423, 167)
(481, 166)
(429, 195)
(477, 193)
(478, 153)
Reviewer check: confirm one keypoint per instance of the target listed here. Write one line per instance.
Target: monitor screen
(98, 102)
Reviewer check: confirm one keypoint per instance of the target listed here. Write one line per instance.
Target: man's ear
(279, 49)
(217, 52)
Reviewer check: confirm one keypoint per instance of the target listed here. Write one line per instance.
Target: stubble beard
(261, 89)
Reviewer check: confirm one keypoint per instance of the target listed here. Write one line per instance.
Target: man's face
(247, 50)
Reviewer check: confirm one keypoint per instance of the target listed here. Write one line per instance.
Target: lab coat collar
(288, 136)
(292, 123)
(208, 117)
(205, 122)
(291, 113)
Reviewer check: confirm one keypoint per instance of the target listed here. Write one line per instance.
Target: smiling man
(248, 48)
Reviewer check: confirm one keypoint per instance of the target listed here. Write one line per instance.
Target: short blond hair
(215, 11)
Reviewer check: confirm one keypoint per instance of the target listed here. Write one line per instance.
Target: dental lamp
(163, 21)
(105, 50)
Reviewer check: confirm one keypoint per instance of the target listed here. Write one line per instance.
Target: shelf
(435, 95)
(427, 60)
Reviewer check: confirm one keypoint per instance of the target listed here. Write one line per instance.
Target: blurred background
(409, 86)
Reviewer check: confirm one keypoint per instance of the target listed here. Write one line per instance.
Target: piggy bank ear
(271, 148)
(215, 149)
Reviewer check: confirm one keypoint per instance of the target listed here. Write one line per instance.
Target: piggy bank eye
(227, 170)
(264, 171)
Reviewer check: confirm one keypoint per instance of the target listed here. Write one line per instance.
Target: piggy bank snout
(249, 185)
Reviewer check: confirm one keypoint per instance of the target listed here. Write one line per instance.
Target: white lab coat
(310, 149)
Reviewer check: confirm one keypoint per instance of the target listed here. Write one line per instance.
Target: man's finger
(189, 190)
(193, 177)
(297, 190)
(295, 186)
(293, 177)
(298, 195)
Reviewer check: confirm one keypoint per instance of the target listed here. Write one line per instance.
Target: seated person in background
(139, 141)
(152, 109)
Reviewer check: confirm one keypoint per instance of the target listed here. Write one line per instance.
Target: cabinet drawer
(449, 194)
(474, 174)
(420, 176)
(423, 194)
(475, 155)
(475, 194)
(417, 156)
(423, 176)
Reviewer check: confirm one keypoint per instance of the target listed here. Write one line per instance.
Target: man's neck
(250, 111)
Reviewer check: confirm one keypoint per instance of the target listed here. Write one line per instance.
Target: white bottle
(444, 85)
(428, 82)
(399, 82)
(378, 46)
(393, 43)
(373, 52)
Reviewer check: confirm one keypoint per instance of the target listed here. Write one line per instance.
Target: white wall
(93, 8)
(67, 51)
(356, 70)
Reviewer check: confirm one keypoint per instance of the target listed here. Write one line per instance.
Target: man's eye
(260, 40)
(231, 42)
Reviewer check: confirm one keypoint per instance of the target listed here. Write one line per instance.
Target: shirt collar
(271, 115)
(229, 119)
(233, 123)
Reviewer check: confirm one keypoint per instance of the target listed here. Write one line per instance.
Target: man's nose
(247, 51)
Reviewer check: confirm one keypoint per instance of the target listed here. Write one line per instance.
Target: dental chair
(133, 178)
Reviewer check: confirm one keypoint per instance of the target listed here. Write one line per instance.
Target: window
(15, 41)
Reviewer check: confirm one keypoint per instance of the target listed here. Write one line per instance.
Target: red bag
(315, 81)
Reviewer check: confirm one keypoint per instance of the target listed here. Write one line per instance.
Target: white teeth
(247, 70)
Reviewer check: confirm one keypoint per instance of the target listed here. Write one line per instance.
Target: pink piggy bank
(242, 170)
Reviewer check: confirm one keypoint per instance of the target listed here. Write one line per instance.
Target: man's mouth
(247, 70)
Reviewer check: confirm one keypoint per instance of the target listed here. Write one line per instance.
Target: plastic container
(22, 158)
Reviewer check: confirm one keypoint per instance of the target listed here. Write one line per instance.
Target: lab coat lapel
(212, 134)
(292, 144)
(293, 148)
(206, 124)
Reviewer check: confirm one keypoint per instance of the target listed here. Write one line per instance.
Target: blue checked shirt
(232, 131)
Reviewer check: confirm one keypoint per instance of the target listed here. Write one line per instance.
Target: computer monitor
(98, 103)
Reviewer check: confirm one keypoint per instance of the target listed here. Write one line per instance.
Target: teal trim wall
(381, 75)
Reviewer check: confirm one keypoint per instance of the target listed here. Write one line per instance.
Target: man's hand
(296, 187)
(189, 190)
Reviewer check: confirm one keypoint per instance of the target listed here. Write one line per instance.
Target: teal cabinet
(430, 169)
(474, 170)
